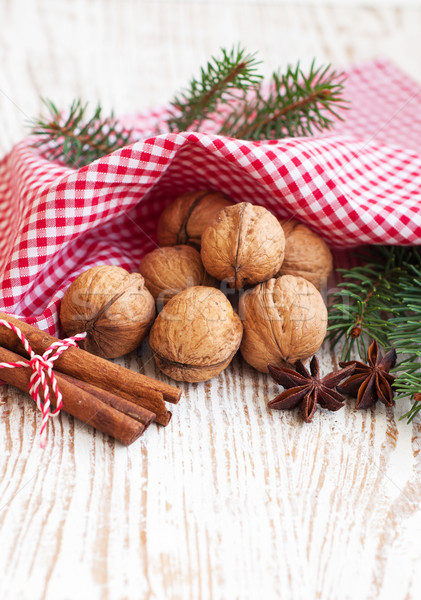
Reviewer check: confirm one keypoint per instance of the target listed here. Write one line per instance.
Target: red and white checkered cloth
(359, 184)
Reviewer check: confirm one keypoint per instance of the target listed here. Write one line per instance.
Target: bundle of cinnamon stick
(111, 398)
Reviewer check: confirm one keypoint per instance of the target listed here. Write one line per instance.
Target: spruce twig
(228, 91)
(405, 334)
(297, 104)
(75, 138)
(382, 300)
(219, 82)
(294, 104)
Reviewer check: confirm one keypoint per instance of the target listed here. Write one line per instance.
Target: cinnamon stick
(82, 365)
(93, 409)
(135, 411)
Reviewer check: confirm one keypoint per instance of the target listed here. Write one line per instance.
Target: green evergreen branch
(406, 337)
(228, 91)
(296, 105)
(222, 78)
(77, 139)
(382, 300)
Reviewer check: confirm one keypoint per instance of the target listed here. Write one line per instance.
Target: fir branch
(223, 77)
(75, 138)
(360, 308)
(406, 336)
(382, 300)
(296, 105)
(229, 91)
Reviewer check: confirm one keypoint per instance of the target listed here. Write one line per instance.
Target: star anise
(306, 388)
(371, 382)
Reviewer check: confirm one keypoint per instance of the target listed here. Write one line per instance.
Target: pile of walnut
(277, 268)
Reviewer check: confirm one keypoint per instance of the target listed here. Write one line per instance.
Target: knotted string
(42, 374)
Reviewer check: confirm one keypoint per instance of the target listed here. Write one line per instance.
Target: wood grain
(230, 500)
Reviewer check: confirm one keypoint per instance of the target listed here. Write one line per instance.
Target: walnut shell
(243, 245)
(112, 305)
(168, 271)
(184, 221)
(306, 254)
(284, 320)
(196, 335)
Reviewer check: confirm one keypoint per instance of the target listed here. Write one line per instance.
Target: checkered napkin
(359, 184)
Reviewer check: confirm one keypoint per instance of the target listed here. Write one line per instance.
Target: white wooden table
(231, 500)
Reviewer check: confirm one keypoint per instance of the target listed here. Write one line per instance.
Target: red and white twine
(42, 374)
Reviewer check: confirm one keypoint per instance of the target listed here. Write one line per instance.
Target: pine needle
(382, 300)
(295, 103)
(228, 91)
(219, 81)
(76, 139)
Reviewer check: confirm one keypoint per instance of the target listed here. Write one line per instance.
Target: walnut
(284, 320)
(306, 254)
(169, 270)
(112, 305)
(196, 335)
(184, 221)
(243, 245)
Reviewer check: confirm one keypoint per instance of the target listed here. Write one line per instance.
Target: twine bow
(42, 374)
